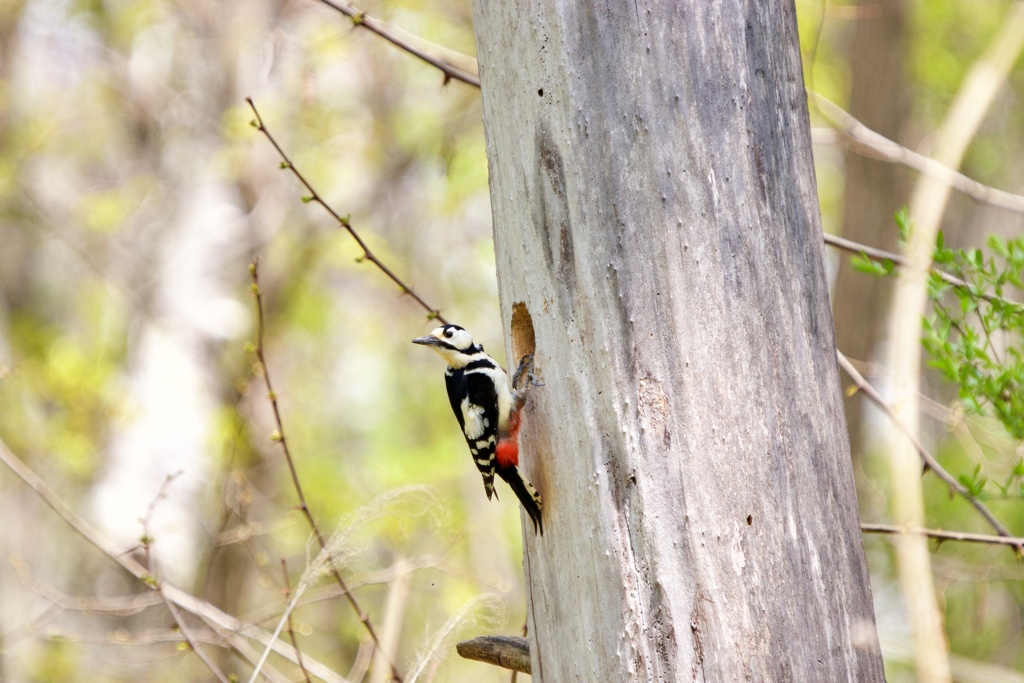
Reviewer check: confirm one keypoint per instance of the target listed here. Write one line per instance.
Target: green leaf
(863, 263)
(974, 483)
(902, 217)
(997, 244)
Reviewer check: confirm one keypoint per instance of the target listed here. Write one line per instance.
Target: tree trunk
(658, 242)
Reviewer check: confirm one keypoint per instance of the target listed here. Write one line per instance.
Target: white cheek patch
(462, 339)
(472, 417)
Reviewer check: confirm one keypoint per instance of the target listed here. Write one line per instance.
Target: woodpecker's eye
(448, 333)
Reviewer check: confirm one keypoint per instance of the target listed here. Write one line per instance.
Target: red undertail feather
(507, 456)
(507, 451)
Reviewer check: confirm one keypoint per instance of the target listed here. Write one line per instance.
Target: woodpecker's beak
(427, 341)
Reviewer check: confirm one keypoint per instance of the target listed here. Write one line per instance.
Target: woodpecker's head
(453, 343)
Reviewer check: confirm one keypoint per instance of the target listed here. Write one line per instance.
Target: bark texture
(658, 245)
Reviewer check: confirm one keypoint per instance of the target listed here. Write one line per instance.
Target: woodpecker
(489, 409)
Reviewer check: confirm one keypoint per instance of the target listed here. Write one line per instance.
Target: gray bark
(658, 242)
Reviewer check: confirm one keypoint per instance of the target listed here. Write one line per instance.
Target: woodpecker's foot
(525, 365)
(532, 379)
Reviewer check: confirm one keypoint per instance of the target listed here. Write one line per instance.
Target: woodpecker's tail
(489, 484)
(526, 494)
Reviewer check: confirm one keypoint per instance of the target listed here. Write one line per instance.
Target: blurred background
(134, 194)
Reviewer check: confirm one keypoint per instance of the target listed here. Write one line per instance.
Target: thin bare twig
(414, 45)
(241, 533)
(943, 535)
(231, 627)
(121, 606)
(13, 636)
(291, 628)
(343, 221)
(926, 456)
(331, 592)
(280, 437)
(147, 547)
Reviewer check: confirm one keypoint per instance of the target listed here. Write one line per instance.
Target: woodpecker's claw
(525, 365)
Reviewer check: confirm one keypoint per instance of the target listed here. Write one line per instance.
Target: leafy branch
(976, 341)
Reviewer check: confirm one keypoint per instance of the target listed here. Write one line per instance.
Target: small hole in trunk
(523, 341)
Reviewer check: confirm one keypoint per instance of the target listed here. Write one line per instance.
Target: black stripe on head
(448, 331)
(481, 363)
(472, 350)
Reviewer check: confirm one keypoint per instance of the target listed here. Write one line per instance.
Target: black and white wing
(474, 401)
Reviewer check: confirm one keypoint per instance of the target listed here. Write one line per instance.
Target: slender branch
(246, 531)
(508, 652)
(863, 140)
(414, 45)
(120, 606)
(33, 625)
(381, 577)
(926, 456)
(226, 624)
(291, 629)
(279, 436)
(875, 253)
(343, 221)
(147, 547)
(134, 637)
(943, 535)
